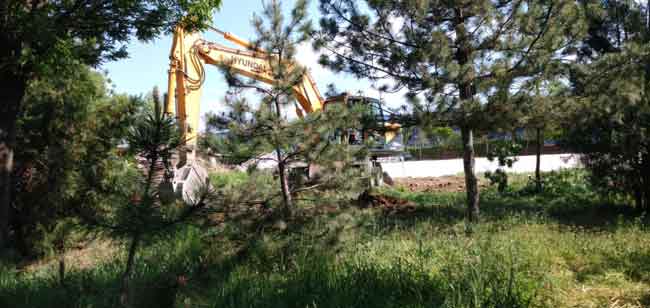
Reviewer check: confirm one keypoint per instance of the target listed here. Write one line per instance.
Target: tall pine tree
(610, 121)
(453, 53)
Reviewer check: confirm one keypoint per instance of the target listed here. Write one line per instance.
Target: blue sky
(147, 64)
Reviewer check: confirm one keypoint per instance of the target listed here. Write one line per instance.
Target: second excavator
(189, 54)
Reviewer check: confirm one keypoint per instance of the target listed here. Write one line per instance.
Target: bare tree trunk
(61, 269)
(125, 296)
(282, 171)
(463, 56)
(126, 292)
(284, 183)
(643, 195)
(7, 142)
(638, 199)
(538, 149)
(12, 90)
(471, 182)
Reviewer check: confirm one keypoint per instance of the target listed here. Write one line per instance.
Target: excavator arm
(188, 57)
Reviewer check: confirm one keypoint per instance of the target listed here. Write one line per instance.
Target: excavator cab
(379, 128)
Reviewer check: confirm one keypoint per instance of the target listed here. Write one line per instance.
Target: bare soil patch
(389, 205)
(436, 184)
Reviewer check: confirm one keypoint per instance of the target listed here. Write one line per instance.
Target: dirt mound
(435, 184)
(388, 204)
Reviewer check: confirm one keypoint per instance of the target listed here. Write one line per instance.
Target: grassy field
(566, 247)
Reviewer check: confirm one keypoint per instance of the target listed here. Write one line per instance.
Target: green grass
(563, 248)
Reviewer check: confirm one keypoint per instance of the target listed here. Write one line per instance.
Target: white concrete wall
(433, 168)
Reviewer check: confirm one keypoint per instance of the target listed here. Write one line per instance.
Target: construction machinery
(189, 54)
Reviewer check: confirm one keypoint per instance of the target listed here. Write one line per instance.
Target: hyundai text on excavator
(190, 53)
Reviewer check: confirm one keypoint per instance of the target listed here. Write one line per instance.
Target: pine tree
(610, 115)
(536, 105)
(543, 113)
(452, 53)
(301, 142)
(70, 123)
(131, 199)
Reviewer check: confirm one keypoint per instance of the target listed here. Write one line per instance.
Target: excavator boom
(188, 57)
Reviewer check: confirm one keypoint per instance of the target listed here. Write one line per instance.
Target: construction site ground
(454, 183)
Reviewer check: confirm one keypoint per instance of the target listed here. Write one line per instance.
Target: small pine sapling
(134, 206)
(295, 144)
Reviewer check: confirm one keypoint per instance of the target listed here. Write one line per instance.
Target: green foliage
(499, 178)
(137, 202)
(53, 34)
(609, 123)
(505, 153)
(227, 135)
(263, 134)
(482, 48)
(550, 250)
(131, 199)
(69, 125)
(175, 260)
(228, 179)
(566, 183)
(49, 41)
(154, 137)
(391, 39)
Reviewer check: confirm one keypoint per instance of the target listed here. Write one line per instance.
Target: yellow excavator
(189, 54)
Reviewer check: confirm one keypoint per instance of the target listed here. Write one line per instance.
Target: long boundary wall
(433, 168)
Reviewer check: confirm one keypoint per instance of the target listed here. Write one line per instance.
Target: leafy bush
(69, 127)
(505, 152)
(568, 182)
(610, 124)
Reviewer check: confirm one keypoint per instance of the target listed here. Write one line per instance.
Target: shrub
(505, 153)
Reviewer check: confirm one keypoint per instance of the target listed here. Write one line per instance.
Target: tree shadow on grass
(586, 211)
(635, 265)
(318, 283)
(88, 288)
(320, 279)
(161, 271)
(358, 289)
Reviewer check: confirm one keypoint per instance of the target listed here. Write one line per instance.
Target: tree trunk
(642, 196)
(466, 92)
(471, 182)
(538, 149)
(646, 185)
(61, 269)
(125, 294)
(284, 183)
(282, 171)
(638, 199)
(12, 90)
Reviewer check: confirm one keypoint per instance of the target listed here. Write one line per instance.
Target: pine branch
(362, 30)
